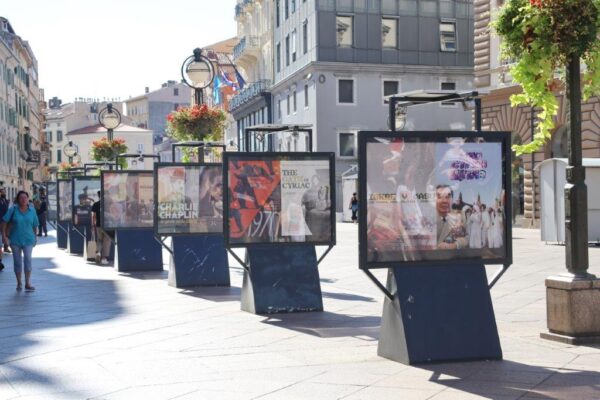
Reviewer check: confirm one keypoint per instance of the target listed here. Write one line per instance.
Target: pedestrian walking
(354, 208)
(19, 232)
(4, 204)
(103, 241)
(42, 213)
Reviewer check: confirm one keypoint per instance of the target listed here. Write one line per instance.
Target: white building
(138, 140)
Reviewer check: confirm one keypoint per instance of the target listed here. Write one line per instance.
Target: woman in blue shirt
(19, 232)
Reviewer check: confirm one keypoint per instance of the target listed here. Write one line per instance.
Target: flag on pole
(240, 80)
(217, 90)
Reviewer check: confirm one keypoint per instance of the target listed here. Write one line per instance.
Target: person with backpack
(42, 212)
(19, 232)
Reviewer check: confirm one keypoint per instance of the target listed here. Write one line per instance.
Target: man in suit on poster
(451, 234)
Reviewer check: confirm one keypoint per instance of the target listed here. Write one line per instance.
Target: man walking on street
(103, 241)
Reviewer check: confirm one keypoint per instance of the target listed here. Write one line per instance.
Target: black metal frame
(109, 109)
(271, 129)
(97, 165)
(197, 57)
(73, 179)
(102, 200)
(299, 156)
(157, 166)
(198, 145)
(431, 136)
(135, 155)
(58, 216)
(46, 186)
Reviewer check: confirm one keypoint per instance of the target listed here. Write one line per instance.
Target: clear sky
(114, 48)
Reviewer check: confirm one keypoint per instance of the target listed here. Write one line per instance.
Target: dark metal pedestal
(74, 241)
(282, 279)
(88, 237)
(438, 314)
(198, 261)
(62, 231)
(137, 250)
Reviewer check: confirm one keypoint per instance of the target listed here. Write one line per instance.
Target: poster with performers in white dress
(434, 199)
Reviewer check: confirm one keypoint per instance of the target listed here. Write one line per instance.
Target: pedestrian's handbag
(91, 245)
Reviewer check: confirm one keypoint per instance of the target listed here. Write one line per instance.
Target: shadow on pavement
(328, 324)
(146, 275)
(508, 379)
(348, 297)
(28, 319)
(215, 293)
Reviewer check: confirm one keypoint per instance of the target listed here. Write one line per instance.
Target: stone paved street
(91, 333)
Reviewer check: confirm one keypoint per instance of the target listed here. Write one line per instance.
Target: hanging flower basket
(107, 150)
(540, 37)
(196, 123)
(64, 168)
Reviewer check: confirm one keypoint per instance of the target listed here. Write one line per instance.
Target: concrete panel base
(62, 231)
(74, 241)
(137, 250)
(573, 309)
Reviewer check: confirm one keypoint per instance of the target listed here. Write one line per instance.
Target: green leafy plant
(541, 36)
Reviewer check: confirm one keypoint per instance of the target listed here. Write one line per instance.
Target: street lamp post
(70, 150)
(110, 118)
(198, 73)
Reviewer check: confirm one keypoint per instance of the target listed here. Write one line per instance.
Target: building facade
(150, 110)
(21, 118)
(334, 61)
(253, 54)
(138, 140)
(63, 118)
(492, 75)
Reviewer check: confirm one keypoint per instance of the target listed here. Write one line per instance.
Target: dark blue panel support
(62, 232)
(281, 279)
(438, 314)
(74, 241)
(199, 260)
(137, 250)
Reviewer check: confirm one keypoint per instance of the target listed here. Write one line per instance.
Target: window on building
(288, 104)
(59, 136)
(305, 96)
(49, 137)
(295, 102)
(347, 144)
(294, 39)
(346, 91)
(344, 30)
(277, 11)
(293, 6)
(140, 147)
(448, 86)
(448, 36)
(58, 156)
(389, 32)
(287, 50)
(278, 57)
(175, 91)
(50, 157)
(279, 108)
(305, 37)
(287, 8)
(390, 88)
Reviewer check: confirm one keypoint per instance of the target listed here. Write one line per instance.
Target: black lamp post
(198, 73)
(110, 118)
(70, 150)
(576, 224)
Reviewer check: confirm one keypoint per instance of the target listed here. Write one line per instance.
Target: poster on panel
(128, 199)
(85, 194)
(51, 193)
(278, 198)
(189, 199)
(433, 199)
(65, 200)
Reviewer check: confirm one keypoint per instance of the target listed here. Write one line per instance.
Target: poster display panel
(434, 197)
(65, 200)
(84, 195)
(189, 198)
(52, 197)
(280, 198)
(127, 199)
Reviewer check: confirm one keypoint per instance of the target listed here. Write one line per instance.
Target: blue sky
(115, 48)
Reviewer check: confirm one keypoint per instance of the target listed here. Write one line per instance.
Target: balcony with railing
(250, 92)
(248, 44)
